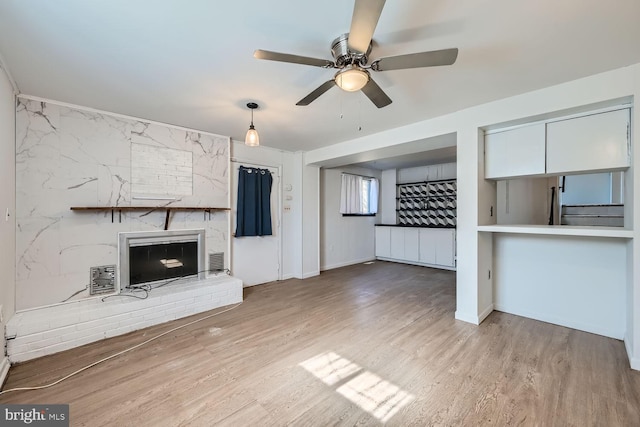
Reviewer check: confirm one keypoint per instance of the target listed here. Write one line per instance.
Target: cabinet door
(427, 246)
(516, 152)
(411, 244)
(397, 242)
(383, 242)
(445, 246)
(590, 143)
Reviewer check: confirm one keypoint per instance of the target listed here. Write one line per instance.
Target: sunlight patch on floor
(330, 367)
(373, 394)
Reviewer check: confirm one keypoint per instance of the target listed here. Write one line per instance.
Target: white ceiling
(190, 63)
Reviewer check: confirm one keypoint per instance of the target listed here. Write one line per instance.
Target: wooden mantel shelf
(150, 209)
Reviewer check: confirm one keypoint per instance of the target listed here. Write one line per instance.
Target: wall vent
(216, 262)
(103, 280)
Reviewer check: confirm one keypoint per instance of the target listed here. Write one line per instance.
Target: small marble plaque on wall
(158, 170)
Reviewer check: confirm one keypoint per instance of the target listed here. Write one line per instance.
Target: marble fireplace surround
(67, 156)
(70, 156)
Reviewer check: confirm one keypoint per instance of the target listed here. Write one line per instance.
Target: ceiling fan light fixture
(252, 139)
(352, 78)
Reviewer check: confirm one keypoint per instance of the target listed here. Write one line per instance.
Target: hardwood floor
(360, 345)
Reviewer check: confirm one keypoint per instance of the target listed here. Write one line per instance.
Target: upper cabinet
(591, 143)
(596, 142)
(515, 152)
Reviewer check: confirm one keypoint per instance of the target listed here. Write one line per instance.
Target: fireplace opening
(153, 257)
(152, 263)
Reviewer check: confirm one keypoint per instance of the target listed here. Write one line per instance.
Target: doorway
(256, 260)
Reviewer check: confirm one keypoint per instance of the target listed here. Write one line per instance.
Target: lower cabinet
(434, 247)
(383, 242)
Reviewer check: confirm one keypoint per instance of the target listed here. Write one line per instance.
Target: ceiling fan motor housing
(343, 56)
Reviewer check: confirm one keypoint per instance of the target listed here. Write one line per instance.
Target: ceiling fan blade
(363, 23)
(294, 59)
(316, 93)
(376, 94)
(416, 60)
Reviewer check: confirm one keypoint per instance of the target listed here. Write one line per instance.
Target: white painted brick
(102, 322)
(119, 331)
(114, 316)
(161, 316)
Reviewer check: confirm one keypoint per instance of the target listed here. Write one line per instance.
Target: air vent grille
(216, 262)
(103, 279)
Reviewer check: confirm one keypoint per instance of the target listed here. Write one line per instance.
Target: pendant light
(252, 139)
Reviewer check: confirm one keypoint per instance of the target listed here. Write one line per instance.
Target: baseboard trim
(634, 362)
(465, 317)
(287, 276)
(311, 274)
(487, 311)
(4, 370)
(472, 318)
(562, 322)
(346, 264)
(421, 264)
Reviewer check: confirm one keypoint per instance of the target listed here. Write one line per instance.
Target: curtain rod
(362, 176)
(232, 160)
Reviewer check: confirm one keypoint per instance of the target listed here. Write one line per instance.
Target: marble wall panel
(71, 157)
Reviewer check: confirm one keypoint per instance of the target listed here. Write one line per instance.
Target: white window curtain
(358, 195)
(373, 195)
(351, 194)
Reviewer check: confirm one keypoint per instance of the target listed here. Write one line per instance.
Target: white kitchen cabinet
(397, 242)
(427, 246)
(445, 246)
(433, 247)
(515, 152)
(411, 244)
(383, 242)
(589, 143)
(404, 243)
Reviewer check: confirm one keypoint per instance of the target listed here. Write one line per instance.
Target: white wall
(388, 182)
(310, 220)
(536, 277)
(476, 196)
(7, 202)
(343, 240)
(291, 199)
(524, 201)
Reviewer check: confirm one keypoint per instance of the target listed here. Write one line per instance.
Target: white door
(256, 260)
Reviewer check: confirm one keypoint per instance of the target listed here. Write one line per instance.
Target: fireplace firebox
(155, 257)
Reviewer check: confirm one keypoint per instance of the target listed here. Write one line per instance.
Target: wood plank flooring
(360, 345)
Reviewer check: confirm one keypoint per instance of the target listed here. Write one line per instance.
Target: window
(358, 195)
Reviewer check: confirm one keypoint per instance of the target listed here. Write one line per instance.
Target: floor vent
(103, 280)
(216, 262)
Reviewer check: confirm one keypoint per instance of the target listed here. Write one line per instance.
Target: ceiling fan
(351, 55)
